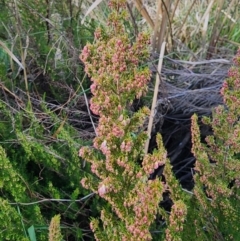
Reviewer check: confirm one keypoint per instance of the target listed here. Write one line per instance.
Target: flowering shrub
(116, 67)
(217, 186)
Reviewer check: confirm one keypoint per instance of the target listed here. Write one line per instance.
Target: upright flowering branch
(119, 75)
(218, 163)
(177, 218)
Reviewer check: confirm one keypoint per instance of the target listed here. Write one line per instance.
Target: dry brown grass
(191, 25)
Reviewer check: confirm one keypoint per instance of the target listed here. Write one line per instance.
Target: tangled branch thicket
(187, 87)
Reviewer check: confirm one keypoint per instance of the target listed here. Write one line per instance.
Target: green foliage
(10, 179)
(34, 164)
(52, 35)
(38, 145)
(10, 223)
(217, 178)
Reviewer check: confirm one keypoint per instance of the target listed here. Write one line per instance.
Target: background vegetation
(44, 113)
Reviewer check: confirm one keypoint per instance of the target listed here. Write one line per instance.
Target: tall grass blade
(144, 12)
(8, 51)
(216, 31)
(92, 7)
(19, 212)
(205, 19)
(32, 234)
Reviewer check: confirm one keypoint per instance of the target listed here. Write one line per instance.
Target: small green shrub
(35, 165)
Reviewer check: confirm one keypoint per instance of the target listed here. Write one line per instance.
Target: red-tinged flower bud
(102, 190)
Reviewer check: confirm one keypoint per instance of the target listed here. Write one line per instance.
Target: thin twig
(86, 101)
(185, 19)
(11, 54)
(23, 52)
(220, 61)
(154, 102)
(53, 200)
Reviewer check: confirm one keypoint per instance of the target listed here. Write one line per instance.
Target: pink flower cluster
(102, 190)
(108, 185)
(176, 219)
(127, 166)
(126, 146)
(144, 199)
(152, 161)
(85, 53)
(114, 71)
